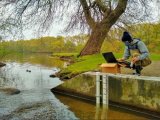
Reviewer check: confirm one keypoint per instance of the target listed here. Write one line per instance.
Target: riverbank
(92, 63)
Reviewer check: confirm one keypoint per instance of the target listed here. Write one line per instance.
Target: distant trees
(149, 33)
(44, 45)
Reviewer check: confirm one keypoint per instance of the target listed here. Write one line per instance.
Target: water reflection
(88, 111)
(16, 75)
(35, 59)
(30, 71)
(101, 113)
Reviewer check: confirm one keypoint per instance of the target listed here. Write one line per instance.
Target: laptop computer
(109, 57)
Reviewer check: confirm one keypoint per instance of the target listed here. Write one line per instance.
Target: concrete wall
(138, 91)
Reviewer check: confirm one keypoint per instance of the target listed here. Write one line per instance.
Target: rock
(2, 64)
(28, 70)
(66, 58)
(53, 75)
(65, 74)
(10, 91)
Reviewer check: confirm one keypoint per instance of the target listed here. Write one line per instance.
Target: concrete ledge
(125, 76)
(136, 91)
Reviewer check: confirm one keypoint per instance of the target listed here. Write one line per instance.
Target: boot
(128, 65)
(138, 69)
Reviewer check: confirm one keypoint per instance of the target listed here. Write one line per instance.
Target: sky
(55, 31)
(57, 28)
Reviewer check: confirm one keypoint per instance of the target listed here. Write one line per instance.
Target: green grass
(92, 62)
(155, 57)
(86, 63)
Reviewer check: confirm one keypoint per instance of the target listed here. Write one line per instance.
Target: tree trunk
(95, 41)
(101, 28)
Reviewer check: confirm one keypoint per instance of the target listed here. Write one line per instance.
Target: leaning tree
(95, 16)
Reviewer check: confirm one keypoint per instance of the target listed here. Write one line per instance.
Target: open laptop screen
(109, 57)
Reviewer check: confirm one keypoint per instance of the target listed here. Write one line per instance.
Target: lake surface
(27, 76)
(27, 72)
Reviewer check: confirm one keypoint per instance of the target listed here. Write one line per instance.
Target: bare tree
(96, 16)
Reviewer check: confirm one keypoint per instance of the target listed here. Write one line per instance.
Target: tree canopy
(96, 16)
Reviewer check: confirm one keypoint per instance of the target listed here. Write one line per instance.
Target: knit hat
(126, 37)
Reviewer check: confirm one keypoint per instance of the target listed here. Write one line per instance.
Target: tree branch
(120, 7)
(101, 6)
(87, 13)
(25, 7)
(116, 13)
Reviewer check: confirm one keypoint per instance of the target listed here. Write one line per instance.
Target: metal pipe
(98, 88)
(105, 90)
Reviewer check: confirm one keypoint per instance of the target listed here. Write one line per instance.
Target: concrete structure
(140, 92)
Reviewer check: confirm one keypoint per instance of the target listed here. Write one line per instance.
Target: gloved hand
(134, 59)
(120, 59)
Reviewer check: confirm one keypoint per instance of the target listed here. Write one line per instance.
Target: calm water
(27, 72)
(27, 76)
(88, 111)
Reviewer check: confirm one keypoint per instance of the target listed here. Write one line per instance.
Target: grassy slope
(92, 62)
(86, 63)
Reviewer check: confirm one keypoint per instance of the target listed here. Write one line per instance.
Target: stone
(2, 64)
(10, 91)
